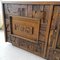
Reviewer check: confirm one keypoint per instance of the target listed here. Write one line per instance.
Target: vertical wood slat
(29, 10)
(48, 27)
(58, 27)
(51, 31)
(53, 41)
(54, 21)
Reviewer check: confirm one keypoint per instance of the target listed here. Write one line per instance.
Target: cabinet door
(55, 27)
(54, 36)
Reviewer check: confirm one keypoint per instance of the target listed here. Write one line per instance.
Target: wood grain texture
(34, 26)
(26, 27)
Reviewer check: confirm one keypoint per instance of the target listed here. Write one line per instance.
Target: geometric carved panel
(26, 28)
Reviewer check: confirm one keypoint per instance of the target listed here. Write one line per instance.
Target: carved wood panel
(54, 35)
(36, 12)
(14, 9)
(54, 54)
(55, 27)
(27, 28)
(34, 48)
(36, 30)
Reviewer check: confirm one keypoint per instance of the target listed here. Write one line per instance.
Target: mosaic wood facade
(33, 26)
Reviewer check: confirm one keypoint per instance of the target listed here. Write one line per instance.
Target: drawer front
(26, 28)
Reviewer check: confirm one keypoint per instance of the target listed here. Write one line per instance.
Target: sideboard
(34, 27)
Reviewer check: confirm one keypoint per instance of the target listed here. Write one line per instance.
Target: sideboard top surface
(31, 2)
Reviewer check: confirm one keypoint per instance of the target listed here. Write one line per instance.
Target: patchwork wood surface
(34, 27)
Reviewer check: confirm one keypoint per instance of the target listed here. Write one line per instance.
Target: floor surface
(10, 52)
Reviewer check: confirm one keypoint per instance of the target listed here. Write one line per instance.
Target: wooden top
(26, 2)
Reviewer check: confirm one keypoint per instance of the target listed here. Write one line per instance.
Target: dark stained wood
(54, 54)
(34, 26)
(48, 26)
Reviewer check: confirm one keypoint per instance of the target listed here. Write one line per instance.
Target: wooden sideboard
(33, 26)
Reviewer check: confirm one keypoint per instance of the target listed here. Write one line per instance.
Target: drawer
(26, 28)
